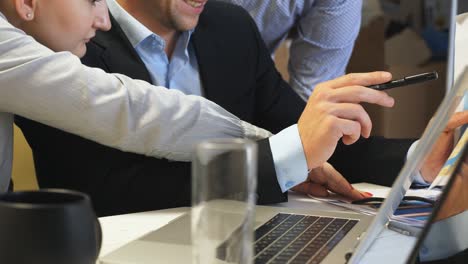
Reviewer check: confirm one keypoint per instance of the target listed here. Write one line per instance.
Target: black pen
(423, 77)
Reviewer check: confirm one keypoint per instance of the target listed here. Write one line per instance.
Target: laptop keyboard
(292, 238)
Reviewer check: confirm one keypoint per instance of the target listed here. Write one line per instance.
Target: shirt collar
(135, 31)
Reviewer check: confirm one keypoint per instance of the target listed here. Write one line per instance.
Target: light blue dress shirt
(181, 72)
(326, 31)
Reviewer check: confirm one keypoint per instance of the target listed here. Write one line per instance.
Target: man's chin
(187, 25)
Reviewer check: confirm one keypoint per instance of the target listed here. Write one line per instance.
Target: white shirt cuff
(288, 156)
(417, 177)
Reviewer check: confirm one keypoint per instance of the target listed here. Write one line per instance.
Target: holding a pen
(409, 80)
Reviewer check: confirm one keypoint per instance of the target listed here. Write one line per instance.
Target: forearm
(114, 110)
(325, 38)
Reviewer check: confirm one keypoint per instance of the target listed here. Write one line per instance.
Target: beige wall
(24, 176)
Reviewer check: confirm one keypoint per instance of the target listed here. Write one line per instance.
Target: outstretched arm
(112, 109)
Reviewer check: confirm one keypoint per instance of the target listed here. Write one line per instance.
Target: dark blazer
(236, 72)
(238, 75)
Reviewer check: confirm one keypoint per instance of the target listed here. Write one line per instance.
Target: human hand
(456, 201)
(325, 178)
(443, 147)
(333, 112)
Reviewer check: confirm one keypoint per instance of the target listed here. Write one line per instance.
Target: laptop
(292, 235)
(450, 209)
(459, 175)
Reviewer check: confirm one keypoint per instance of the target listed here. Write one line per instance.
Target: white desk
(391, 247)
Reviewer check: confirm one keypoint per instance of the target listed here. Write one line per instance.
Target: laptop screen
(453, 202)
(439, 18)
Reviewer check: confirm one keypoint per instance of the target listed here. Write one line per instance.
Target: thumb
(311, 188)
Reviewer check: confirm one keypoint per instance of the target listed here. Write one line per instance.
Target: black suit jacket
(236, 72)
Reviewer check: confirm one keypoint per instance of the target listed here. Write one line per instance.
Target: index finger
(359, 94)
(338, 184)
(362, 79)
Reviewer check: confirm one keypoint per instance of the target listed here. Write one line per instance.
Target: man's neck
(142, 14)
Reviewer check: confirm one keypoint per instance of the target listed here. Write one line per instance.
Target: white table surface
(390, 247)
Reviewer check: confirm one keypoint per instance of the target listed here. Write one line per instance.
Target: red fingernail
(368, 194)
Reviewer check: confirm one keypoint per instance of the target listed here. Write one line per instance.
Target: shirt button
(289, 184)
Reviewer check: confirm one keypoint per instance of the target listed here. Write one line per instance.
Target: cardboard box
(369, 55)
(402, 55)
(414, 106)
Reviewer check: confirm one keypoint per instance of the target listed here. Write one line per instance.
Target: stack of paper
(414, 213)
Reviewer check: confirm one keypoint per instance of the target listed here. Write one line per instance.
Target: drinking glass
(224, 179)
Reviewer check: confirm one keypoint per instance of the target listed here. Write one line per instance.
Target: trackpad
(176, 232)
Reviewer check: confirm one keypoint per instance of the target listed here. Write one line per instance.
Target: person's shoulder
(220, 8)
(224, 14)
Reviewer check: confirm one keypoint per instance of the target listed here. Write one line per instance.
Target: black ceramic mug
(49, 226)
